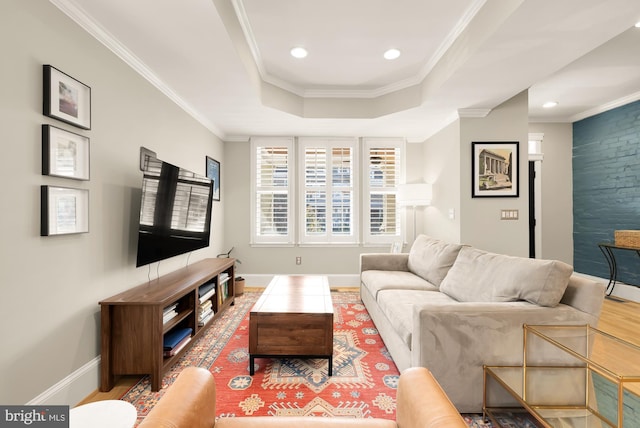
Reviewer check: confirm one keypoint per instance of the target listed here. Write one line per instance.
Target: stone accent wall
(606, 189)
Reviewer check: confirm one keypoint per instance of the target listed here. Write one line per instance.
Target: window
(328, 188)
(272, 172)
(326, 207)
(383, 171)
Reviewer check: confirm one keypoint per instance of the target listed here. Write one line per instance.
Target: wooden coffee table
(293, 318)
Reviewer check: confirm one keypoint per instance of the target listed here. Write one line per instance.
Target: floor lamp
(414, 195)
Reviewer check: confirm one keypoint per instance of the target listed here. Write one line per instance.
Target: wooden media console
(136, 321)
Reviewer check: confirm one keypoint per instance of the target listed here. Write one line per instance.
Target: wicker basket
(627, 238)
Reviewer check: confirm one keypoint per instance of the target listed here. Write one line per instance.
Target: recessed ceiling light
(550, 104)
(299, 52)
(392, 54)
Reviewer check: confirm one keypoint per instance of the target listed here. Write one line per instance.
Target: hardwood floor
(620, 318)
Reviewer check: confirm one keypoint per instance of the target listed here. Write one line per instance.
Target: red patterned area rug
(363, 384)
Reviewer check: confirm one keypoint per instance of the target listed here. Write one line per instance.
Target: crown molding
(460, 26)
(84, 20)
(606, 107)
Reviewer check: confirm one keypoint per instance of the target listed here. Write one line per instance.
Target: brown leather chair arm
(421, 402)
(189, 402)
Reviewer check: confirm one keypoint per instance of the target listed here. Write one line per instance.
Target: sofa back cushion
(431, 258)
(480, 276)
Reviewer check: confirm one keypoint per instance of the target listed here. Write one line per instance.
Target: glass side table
(572, 376)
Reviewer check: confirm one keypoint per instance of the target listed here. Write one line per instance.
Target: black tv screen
(175, 212)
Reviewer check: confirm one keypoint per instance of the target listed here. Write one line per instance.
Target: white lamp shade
(414, 194)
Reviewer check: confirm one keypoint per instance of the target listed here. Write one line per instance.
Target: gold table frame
(555, 383)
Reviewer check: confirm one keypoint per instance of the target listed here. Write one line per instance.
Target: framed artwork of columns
(494, 169)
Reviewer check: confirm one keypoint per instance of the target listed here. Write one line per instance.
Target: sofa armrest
(421, 402)
(584, 294)
(454, 340)
(190, 402)
(384, 261)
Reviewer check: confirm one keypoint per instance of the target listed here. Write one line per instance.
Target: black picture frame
(65, 154)
(495, 169)
(213, 173)
(65, 98)
(64, 210)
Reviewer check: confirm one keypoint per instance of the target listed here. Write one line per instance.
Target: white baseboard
(258, 280)
(624, 291)
(73, 388)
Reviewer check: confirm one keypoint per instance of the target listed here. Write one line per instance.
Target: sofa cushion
(480, 276)
(431, 259)
(398, 306)
(376, 280)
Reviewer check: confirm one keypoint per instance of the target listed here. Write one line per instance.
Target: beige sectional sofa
(453, 308)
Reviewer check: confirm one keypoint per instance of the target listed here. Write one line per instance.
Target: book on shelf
(205, 306)
(207, 296)
(173, 337)
(206, 291)
(205, 319)
(170, 308)
(205, 312)
(224, 277)
(173, 351)
(168, 316)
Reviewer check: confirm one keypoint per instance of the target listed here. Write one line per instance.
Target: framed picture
(494, 169)
(65, 98)
(63, 210)
(213, 172)
(64, 154)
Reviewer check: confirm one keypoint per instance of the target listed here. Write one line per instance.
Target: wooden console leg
(155, 382)
(251, 364)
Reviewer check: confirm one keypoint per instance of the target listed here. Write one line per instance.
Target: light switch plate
(509, 214)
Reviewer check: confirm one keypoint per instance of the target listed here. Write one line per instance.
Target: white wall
(442, 169)
(447, 164)
(480, 223)
(51, 286)
(414, 173)
(557, 190)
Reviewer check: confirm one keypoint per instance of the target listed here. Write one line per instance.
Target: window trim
(329, 238)
(367, 144)
(361, 198)
(273, 240)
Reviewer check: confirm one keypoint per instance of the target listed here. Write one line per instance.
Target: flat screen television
(175, 212)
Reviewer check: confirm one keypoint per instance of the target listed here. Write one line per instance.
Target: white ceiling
(227, 62)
